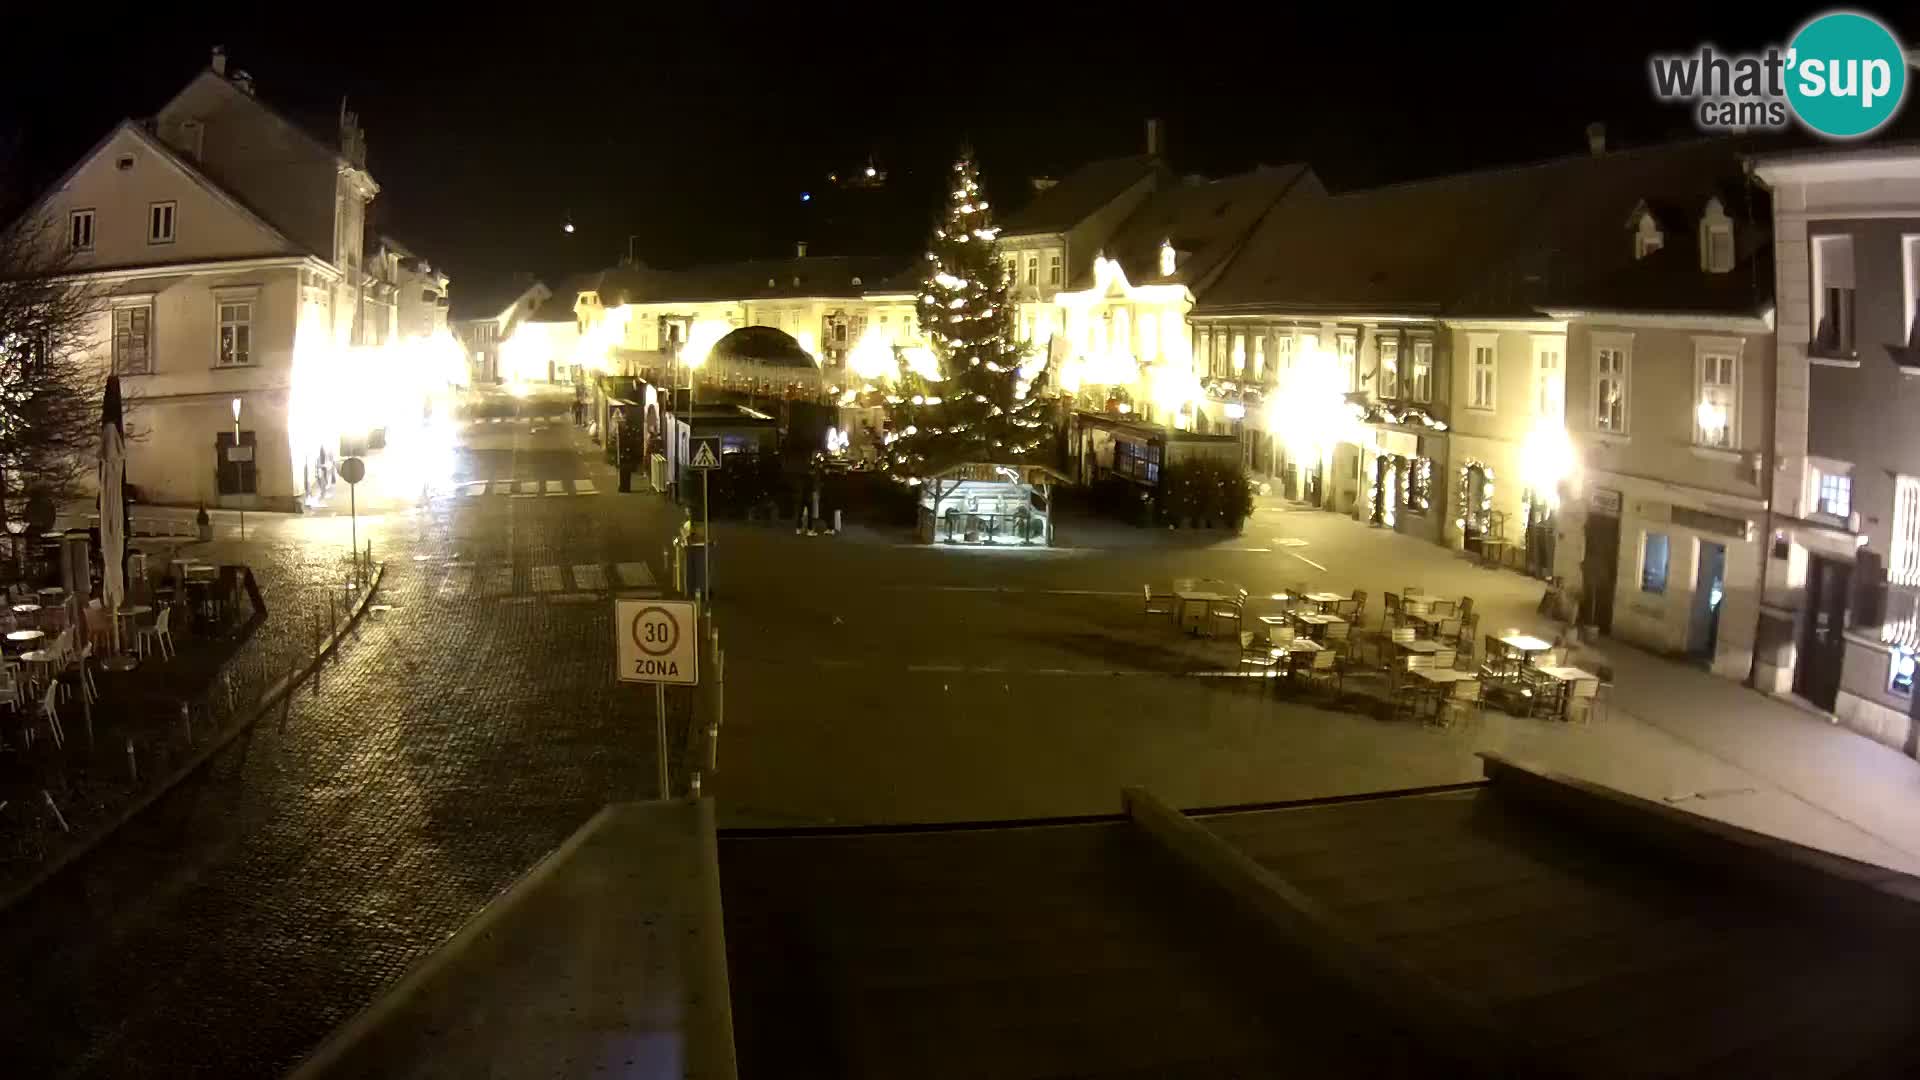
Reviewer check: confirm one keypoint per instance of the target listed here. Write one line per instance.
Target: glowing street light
(236, 463)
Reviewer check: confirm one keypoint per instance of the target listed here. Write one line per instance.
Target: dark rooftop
(1082, 192)
(1205, 220)
(1512, 241)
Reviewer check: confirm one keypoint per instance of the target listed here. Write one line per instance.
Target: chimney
(800, 250)
(1153, 136)
(220, 60)
(244, 81)
(1596, 138)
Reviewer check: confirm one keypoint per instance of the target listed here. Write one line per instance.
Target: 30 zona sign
(656, 641)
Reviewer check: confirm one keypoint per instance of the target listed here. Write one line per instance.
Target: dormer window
(1167, 258)
(1647, 237)
(1716, 239)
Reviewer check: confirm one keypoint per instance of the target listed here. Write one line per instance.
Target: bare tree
(50, 382)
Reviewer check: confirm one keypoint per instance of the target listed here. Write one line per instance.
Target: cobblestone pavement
(464, 733)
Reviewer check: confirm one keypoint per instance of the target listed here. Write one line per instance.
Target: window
(1202, 349)
(1389, 382)
(236, 333)
(1833, 296)
(1549, 380)
(1168, 258)
(1903, 566)
(1647, 238)
(1832, 493)
(1716, 239)
(1137, 461)
(1283, 351)
(1033, 269)
(1610, 384)
(160, 223)
(1716, 409)
(1239, 354)
(1900, 672)
(133, 339)
(1054, 270)
(1013, 270)
(80, 230)
(1481, 391)
(1910, 252)
(1347, 346)
(1259, 357)
(1420, 372)
(1653, 562)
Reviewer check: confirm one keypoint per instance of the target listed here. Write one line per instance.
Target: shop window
(1653, 563)
(1900, 673)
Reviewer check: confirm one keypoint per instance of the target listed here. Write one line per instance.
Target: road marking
(555, 487)
(546, 579)
(1263, 550)
(584, 487)
(634, 574)
(1308, 561)
(591, 576)
(494, 420)
(1288, 541)
(1010, 589)
(935, 667)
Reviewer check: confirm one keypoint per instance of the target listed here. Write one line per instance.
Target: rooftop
(1083, 191)
(1512, 241)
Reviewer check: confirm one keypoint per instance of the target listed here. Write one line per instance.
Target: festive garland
(1466, 497)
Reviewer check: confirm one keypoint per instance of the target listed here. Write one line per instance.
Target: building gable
(127, 181)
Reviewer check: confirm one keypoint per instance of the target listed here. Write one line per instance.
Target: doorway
(1600, 571)
(1709, 589)
(1816, 671)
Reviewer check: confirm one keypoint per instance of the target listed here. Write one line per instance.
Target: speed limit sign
(655, 643)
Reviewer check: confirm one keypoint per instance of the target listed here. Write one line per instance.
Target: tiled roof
(1512, 242)
(1076, 197)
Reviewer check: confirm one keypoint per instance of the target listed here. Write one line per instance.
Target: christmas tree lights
(971, 396)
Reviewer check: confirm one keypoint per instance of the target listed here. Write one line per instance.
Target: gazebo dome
(761, 345)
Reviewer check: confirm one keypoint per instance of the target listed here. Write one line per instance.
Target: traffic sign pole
(657, 641)
(660, 735)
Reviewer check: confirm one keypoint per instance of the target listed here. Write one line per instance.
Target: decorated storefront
(1404, 453)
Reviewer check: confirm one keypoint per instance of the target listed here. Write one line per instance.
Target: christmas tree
(974, 400)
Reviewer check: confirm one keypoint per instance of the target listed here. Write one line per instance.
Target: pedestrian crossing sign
(705, 455)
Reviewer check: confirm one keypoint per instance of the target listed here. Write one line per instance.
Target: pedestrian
(813, 497)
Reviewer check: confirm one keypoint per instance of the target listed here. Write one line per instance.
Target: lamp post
(235, 455)
(15, 528)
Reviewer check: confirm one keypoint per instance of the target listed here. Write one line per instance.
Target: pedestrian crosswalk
(552, 580)
(523, 489)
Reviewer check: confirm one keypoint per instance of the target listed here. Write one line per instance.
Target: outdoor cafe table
(1425, 648)
(1566, 676)
(21, 639)
(132, 615)
(38, 657)
(1324, 600)
(26, 609)
(52, 594)
(1315, 622)
(1525, 644)
(1206, 600)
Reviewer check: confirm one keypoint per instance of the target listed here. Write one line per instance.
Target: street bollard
(133, 766)
(186, 720)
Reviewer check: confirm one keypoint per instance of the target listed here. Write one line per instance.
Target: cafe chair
(1448, 631)
(1603, 690)
(1322, 671)
(1233, 610)
(1443, 659)
(1337, 637)
(1462, 700)
(1359, 606)
(1390, 613)
(1401, 634)
(50, 712)
(1156, 603)
(1256, 652)
(1441, 607)
(160, 634)
(1580, 699)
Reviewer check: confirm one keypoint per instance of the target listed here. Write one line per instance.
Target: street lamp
(17, 527)
(234, 455)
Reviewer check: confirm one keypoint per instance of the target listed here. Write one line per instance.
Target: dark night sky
(699, 136)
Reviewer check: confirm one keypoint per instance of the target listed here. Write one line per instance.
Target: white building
(226, 240)
(487, 319)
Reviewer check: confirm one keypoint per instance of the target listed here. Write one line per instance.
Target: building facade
(226, 243)
(1843, 570)
(486, 320)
